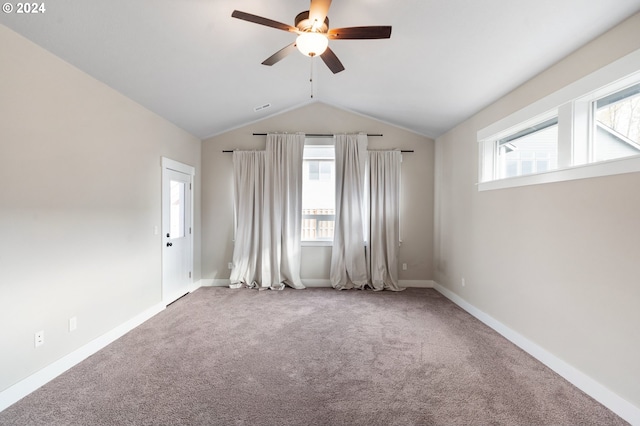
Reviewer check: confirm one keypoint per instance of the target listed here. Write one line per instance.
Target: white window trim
(318, 141)
(583, 171)
(569, 102)
(316, 243)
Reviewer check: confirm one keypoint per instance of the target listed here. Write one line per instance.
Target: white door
(177, 232)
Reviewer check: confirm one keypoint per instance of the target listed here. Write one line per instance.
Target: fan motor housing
(305, 25)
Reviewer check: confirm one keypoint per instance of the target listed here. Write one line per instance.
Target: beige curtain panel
(268, 210)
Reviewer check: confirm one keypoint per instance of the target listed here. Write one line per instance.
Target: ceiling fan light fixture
(312, 44)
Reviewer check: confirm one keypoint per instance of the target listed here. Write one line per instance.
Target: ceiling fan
(312, 27)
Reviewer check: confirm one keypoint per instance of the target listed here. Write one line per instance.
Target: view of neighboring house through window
(531, 150)
(589, 128)
(318, 190)
(617, 125)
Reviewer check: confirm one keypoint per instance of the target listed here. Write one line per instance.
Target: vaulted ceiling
(192, 63)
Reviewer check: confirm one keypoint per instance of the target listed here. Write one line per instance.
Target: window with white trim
(616, 124)
(318, 191)
(530, 150)
(592, 125)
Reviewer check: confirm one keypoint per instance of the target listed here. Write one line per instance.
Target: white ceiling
(190, 62)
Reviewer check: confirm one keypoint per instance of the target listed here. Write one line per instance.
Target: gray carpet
(310, 357)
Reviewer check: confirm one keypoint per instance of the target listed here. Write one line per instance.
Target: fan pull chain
(311, 75)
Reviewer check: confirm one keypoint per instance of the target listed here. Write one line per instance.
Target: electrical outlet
(404, 266)
(39, 338)
(73, 323)
(230, 265)
(463, 282)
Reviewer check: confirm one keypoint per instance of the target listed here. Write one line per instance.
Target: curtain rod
(231, 150)
(320, 135)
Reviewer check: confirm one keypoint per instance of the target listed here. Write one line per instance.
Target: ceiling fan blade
(279, 55)
(332, 61)
(360, 33)
(263, 21)
(318, 11)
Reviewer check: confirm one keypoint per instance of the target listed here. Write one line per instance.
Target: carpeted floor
(310, 357)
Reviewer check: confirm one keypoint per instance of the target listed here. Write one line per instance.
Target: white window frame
(585, 106)
(573, 106)
(490, 167)
(315, 141)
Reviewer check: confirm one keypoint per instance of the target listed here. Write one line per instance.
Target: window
(318, 191)
(617, 124)
(531, 150)
(530, 147)
(589, 128)
(321, 169)
(177, 212)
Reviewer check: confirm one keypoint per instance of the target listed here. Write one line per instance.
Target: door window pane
(176, 214)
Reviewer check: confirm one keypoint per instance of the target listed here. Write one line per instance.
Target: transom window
(617, 124)
(587, 129)
(531, 150)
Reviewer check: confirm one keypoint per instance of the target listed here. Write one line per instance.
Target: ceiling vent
(261, 107)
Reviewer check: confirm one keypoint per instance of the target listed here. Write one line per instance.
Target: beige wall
(557, 263)
(79, 198)
(417, 181)
(80, 195)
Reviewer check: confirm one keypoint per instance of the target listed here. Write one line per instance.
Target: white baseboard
(195, 285)
(323, 282)
(224, 282)
(210, 282)
(600, 393)
(316, 282)
(417, 283)
(23, 388)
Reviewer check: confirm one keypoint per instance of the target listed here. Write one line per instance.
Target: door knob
(169, 244)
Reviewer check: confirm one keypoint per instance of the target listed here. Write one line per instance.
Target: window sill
(603, 168)
(316, 243)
